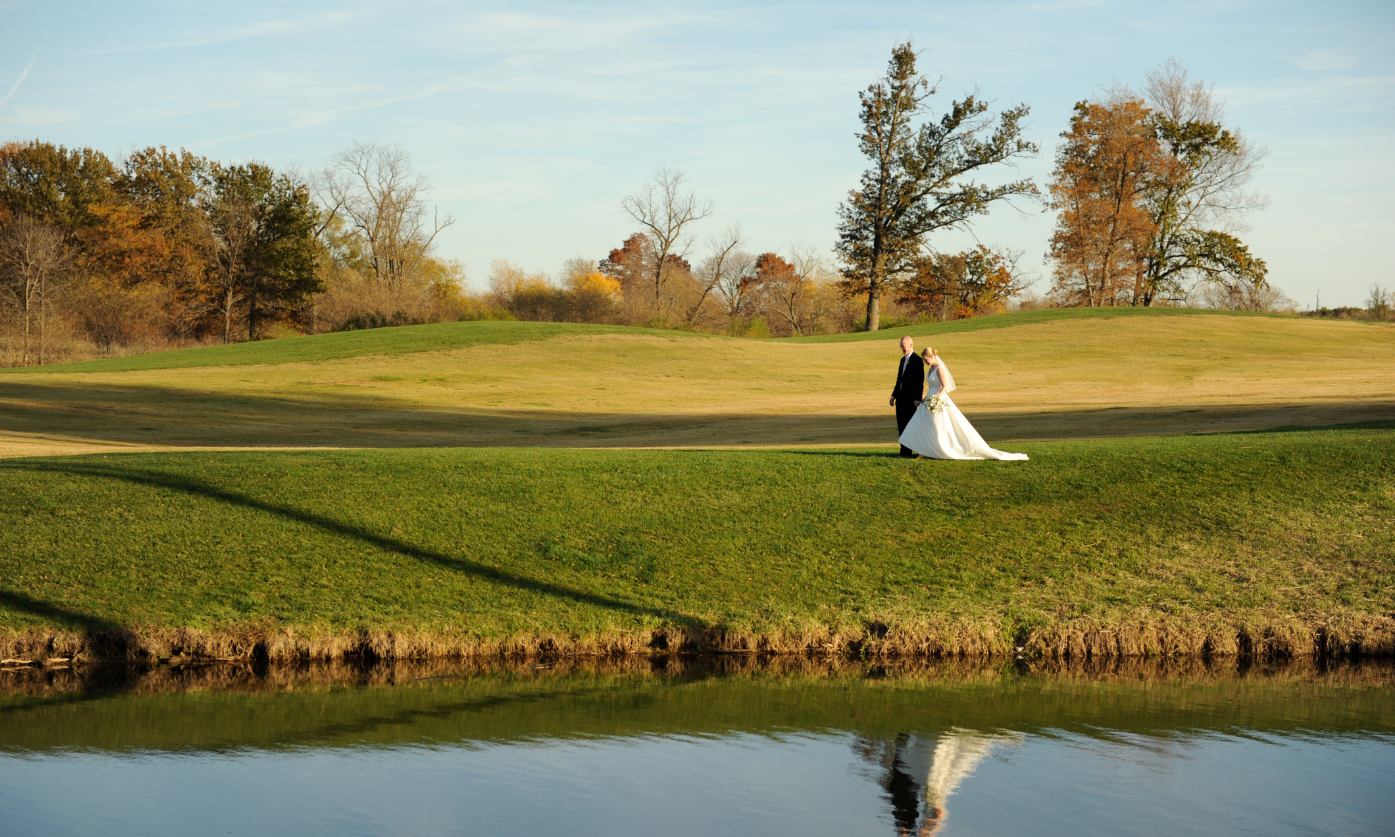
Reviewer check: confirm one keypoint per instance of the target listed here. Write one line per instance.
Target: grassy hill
(495, 500)
(1037, 375)
(1224, 544)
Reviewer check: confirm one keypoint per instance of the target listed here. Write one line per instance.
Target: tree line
(165, 248)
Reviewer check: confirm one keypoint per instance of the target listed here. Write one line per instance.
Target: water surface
(700, 747)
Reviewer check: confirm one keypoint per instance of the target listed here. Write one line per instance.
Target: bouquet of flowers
(935, 404)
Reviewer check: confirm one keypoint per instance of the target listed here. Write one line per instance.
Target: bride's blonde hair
(929, 353)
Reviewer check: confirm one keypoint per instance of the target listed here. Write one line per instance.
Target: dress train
(947, 434)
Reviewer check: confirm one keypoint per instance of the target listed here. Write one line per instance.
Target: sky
(534, 120)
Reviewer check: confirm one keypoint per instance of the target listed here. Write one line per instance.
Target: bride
(943, 432)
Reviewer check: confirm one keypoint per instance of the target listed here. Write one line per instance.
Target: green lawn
(440, 337)
(1169, 535)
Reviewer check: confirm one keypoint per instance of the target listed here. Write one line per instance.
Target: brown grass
(1070, 379)
(1254, 636)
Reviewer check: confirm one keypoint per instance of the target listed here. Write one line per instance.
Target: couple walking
(932, 426)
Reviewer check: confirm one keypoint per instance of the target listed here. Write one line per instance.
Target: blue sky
(534, 119)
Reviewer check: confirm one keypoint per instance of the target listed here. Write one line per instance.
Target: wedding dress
(947, 434)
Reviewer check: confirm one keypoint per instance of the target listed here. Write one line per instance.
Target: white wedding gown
(947, 435)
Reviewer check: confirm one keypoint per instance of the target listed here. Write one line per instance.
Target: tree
(164, 193)
(1106, 168)
(528, 296)
(373, 187)
(734, 282)
(1378, 304)
(35, 260)
(665, 209)
(53, 185)
(1199, 204)
(232, 222)
(954, 286)
(263, 225)
(1232, 295)
(721, 270)
(627, 264)
(916, 185)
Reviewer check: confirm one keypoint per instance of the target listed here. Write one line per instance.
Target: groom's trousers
(905, 409)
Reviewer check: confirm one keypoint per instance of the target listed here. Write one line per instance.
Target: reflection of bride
(918, 805)
(946, 433)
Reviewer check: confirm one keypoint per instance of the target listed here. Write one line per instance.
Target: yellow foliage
(595, 284)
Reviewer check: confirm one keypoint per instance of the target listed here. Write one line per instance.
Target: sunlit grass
(1037, 375)
(502, 541)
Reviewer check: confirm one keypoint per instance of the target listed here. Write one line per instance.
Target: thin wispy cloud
(260, 29)
(14, 88)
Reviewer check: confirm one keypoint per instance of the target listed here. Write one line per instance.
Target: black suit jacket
(910, 379)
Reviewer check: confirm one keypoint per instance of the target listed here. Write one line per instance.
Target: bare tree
(232, 222)
(665, 209)
(734, 286)
(788, 291)
(1236, 295)
(721, 269)
(1378, 304)
(373, 187)
(35, 262)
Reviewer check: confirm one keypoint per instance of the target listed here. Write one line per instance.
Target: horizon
(757, 105)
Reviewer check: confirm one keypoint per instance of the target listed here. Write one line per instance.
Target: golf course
(1200, 483)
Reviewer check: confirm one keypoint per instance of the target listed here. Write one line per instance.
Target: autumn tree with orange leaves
(955, 286)
(1106, 168)
(1149, 194)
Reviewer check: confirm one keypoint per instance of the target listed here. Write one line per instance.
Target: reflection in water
(920, 773)
(688, 746)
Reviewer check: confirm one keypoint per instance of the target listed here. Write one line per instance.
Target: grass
(495, 493)
(1037, 375)
(387, 342)
(1214, 543)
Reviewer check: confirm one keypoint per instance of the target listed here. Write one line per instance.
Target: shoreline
(1139, 636)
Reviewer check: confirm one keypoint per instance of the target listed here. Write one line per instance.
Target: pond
(700, 746)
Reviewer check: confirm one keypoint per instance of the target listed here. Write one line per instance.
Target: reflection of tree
(919, 774)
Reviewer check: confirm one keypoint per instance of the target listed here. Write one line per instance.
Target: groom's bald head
(907, 345)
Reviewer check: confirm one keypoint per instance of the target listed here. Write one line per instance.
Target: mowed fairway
(1042, 375)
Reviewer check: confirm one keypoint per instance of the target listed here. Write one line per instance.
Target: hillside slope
(1037, 375)
(1264, 543)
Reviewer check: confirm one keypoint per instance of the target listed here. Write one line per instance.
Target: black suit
(910, 387)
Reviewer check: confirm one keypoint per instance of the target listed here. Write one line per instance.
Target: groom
(910, 385)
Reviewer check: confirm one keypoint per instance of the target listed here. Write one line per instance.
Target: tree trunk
(28, 314)
(874, 313)
(252, 314)
(227, 317)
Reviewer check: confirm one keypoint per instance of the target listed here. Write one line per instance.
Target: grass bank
(1277, 543)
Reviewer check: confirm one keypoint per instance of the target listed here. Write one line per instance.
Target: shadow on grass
(464, 566)
(68, 618)
(1356, 425)
(140, 414)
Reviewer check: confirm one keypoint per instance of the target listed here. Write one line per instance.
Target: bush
(377, 319)
(754, 327)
